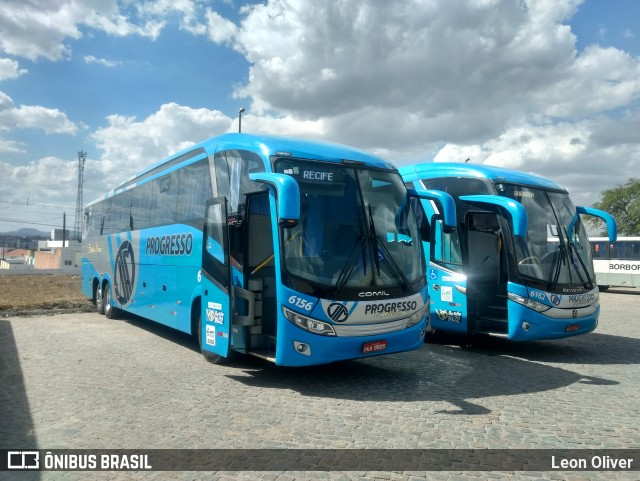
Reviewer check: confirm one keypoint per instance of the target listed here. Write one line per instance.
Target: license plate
(374, 346)
(572, 327)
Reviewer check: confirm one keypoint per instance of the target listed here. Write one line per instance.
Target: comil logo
(23, 460)
(372, 294)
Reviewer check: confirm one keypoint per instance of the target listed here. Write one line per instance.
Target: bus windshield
(356, 231)
(556, 249)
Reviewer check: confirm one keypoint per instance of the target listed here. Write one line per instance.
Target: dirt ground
(28, 293)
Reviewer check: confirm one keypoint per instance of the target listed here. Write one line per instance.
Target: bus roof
(479, 171)
(268, 145)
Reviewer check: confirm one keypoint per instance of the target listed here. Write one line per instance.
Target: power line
(25, 222)
(26, 212)
(30, 204)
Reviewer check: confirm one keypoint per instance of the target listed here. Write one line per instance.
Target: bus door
(447, 283)
(260, 272)
(215, 325)
(486, 273)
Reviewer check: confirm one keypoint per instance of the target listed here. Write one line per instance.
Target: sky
(544, 86)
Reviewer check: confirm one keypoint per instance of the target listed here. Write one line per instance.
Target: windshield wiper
(558, 258)
(574, 250)
(347, 269)
(387, 255)
(374, 240)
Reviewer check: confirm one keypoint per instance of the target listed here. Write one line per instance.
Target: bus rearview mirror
(287, 193)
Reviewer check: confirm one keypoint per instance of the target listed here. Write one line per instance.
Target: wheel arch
(196, 306)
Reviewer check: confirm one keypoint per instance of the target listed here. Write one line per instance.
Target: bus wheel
(209, 356)
(97, 300)
(109, 311)
(430, 335)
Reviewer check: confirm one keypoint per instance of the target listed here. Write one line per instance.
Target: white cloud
(102, 61)
(49, 180)
(461, 70)
(220, 29)
(11, 146)
(10, 69)
(52, 121)
(495, 80)
(40, 28)
(579, 155)
(119, 25)
(130, 145)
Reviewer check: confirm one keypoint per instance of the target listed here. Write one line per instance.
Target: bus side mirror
(612, 227)
(445, 203)
(287, 193)
(514, 208)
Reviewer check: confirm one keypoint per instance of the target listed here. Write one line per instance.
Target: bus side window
(232, 169)
(142, 206)
(600, 250)
(193, 192)
(424, 225)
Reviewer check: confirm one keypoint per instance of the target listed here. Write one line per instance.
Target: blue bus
(294, 251)
(519, 263)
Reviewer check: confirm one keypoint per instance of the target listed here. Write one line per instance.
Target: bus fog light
(526, 326)
(302, 348)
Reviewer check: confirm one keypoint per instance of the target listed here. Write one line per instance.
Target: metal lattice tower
(77, 228)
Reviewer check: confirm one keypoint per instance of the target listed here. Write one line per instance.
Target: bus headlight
(417, 317)
(311, 325)
(530, 303)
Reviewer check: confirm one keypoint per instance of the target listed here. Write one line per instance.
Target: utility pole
(64, 227)
(77, 228)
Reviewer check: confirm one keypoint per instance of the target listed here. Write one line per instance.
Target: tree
(623, 203)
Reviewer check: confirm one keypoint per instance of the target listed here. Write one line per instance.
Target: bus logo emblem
(337, 312)
(124, 273)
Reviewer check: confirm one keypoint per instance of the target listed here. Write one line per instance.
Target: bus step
(266, 354)
(493, 325)
(492, 333)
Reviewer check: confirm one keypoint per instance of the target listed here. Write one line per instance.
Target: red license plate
(572, 327)
(375, 346)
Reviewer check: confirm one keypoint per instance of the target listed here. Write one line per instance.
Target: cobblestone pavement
(83, 381)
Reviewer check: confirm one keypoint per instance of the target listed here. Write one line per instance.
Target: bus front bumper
(528, 325)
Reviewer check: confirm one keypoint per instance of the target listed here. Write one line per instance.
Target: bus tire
(110, 311)
(98, 300)
(430, 335)
(209, 356)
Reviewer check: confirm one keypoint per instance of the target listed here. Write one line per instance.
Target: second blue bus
(519, 263)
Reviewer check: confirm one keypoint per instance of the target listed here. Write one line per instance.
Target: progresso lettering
(589, 296)
(390, 307)
(170, 245)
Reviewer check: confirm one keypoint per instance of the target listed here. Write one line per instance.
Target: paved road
(83, 381)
